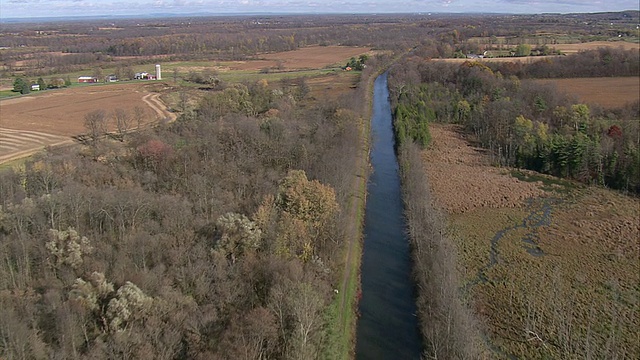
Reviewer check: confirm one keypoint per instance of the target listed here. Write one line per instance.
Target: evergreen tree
(21, 86)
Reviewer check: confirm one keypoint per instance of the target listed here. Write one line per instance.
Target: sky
(54, 8)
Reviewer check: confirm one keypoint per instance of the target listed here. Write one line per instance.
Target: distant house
(35, 87)
(87, 79)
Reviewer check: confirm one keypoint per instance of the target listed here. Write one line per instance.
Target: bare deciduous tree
(96, 124)
(138, 116)
(123, 121)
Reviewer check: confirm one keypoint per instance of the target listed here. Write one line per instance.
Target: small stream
(539, 215)
(388, 325)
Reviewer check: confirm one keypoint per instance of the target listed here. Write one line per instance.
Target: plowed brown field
(608, 92)
(593, 45)
(29, 123)
(315, 57)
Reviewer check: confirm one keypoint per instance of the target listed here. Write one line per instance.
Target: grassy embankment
(341, 315)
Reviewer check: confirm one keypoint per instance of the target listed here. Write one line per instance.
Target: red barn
(87, 79)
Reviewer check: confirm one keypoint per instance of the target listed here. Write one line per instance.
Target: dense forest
(524, 123)
(216, 236)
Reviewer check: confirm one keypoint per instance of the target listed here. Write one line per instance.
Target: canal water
(388, 326)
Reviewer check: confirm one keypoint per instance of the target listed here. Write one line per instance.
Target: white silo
(158, 72)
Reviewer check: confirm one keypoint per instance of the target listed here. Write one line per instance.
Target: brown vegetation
(523, 123)
(519, 60)
(463, 178)
(554, 276)
(333, 86)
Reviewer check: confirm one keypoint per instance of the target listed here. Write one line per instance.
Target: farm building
(147, 76)
(87, 79)
(141, 76)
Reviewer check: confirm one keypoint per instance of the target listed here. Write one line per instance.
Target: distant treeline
(523, 123)
(602, 62)
(224, 38)
(239, 38)
(78, 46)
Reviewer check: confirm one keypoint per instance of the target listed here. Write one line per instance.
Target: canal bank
(388, 326)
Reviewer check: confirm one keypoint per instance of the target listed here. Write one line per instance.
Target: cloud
(34, 8)
(573, 5)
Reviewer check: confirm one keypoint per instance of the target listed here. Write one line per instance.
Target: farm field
(607, 92)
(312, 57)
(62, 112)
(316, 57)
(307, 61)
(29, 123)
(19, 143)
(594, 45)
(552, 267)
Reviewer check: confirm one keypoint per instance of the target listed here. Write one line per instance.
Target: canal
(388, 326)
